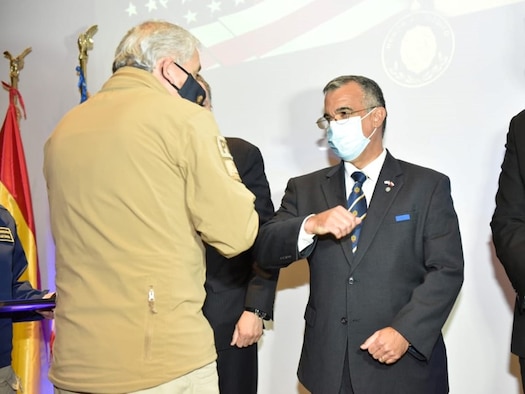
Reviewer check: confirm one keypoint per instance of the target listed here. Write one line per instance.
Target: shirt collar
(371, 170)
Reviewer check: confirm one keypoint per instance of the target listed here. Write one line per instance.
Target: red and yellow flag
(15, 195)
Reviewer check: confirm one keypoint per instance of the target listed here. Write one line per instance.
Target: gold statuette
(16, 64)
(85, 44)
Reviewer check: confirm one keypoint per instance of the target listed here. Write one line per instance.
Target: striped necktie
(357, 205)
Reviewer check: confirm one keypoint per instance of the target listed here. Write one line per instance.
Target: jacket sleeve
(508, 220)
(276, 245)
(422, 318)
(221, 207)
(20, 289)
(261, 289)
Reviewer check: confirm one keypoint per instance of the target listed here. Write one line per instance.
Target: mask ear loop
(370, 136)
(375, 128)
(165, 76)
(369, 112)
(185, 72)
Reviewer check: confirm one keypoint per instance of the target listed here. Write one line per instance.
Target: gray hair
(372, 93)
(145, 44)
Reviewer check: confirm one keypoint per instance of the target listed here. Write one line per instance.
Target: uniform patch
(227, 158)
(6, 235)
(223, 147)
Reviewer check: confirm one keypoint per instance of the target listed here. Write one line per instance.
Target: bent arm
(508, 220)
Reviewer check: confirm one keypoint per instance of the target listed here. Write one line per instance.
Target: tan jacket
(136, 180)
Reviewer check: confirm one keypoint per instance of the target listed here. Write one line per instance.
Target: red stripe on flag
(15, 195)
(13, 170)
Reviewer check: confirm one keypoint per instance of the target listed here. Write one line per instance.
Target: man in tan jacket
(138, 177)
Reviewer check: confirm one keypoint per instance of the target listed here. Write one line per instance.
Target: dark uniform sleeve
(508, 220)
(13, 255)
(261, 290)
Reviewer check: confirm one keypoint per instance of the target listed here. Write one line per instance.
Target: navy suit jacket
(508, 223)
(406, 273)
(236, 283)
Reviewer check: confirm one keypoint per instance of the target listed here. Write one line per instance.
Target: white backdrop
(453, 74)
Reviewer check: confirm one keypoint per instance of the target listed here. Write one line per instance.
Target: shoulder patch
(6, 235)
(227, 158)
(223, 147)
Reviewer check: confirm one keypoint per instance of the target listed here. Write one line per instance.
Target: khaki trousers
(201, 381)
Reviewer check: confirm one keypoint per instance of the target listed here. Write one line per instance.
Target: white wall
(452, 76)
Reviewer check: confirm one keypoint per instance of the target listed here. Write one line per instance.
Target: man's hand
(386, 345)
(337, 221)
(48, 314)
(248, 330)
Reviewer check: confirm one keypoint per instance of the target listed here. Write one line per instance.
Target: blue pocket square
(403, 218)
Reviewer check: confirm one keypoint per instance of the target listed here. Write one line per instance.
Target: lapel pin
(389, 185)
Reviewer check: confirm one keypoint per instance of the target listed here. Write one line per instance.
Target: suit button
(344, 320)
(351, 280)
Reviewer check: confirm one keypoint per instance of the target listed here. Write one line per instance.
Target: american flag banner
(234, 31)
(15, 195)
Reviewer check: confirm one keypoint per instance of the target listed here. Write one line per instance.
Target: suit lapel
(334, 192)
(382, 200)
(333, 186)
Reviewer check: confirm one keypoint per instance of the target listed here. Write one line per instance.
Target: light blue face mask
(346, 138)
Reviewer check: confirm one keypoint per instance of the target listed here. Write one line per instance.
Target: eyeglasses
(324, 121)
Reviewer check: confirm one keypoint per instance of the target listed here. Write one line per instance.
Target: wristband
(259, 313)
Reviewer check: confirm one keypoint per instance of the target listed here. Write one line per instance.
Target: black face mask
(191, 90)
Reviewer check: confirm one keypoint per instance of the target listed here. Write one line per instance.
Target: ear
(163, 69)
(378, 116)
(166, 75)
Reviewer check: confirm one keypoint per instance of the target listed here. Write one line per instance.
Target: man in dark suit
(508, 228)
(374, 316)
(239, 294)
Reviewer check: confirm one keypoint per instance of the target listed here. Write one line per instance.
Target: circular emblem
(418, 49)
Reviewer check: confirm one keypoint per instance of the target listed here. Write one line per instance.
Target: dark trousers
(237, 369)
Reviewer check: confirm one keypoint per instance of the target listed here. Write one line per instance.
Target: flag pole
(85, 43)
(15, 196)
(16, 64)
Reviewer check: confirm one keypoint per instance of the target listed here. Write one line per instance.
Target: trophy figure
(16, 64)
(85, 44)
